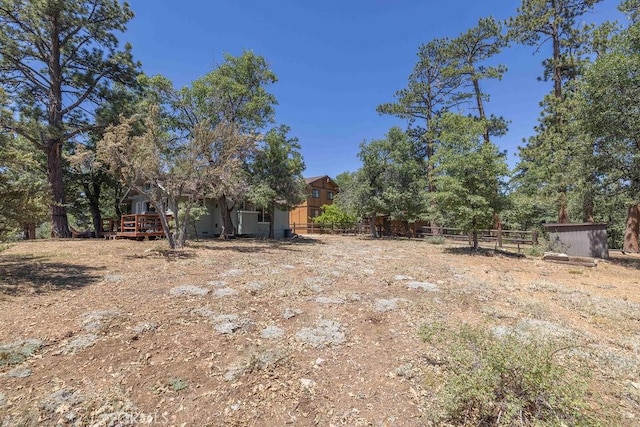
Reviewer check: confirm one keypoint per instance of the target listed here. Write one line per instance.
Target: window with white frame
(315, 193)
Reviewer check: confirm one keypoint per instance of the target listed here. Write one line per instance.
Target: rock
(288, 312)
(225, 292)
(426, 286)
(18, 373)
(80, 343)
(326, 332)
(188, 290)
(271, 332)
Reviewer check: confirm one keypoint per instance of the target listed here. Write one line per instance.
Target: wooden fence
(500, 237)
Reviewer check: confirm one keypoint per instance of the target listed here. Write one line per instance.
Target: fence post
(500, 237)
(534, 236)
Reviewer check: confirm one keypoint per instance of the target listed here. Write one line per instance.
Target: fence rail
(501, 237)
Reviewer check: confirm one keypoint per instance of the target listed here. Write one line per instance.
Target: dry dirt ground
(312, 331)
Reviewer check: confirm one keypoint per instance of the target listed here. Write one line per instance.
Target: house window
(315, 213)
(315, 193)
(264, 215)
(330, 195)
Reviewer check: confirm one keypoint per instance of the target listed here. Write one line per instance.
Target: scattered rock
(272, 332)
(19, 351)
(217, 283)
(80, 343)
(426, 286)
(329, 300)
(113, 278)
(405, 371)
(62, 400)
(288, 312)
(97, 321)
(141, 328)
(307, 383)
(188, 290)
(230, 323)
(402, 277)
(232, 273)
(256, 360)
(225, 292)
(3, 399)
(326, 332)
(18, 373)
(383, 305)
(320, 361)
(202, 311)
(254, 286)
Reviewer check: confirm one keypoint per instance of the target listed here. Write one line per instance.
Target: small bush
(435, 240)
(505, 381)
(535, 251)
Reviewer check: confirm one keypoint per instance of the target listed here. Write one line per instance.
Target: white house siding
(281, 222)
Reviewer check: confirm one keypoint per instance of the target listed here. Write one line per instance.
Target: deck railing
(140, 225)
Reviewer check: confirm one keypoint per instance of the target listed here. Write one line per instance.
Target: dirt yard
(313, 331)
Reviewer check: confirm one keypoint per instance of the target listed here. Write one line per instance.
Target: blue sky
(336, 61)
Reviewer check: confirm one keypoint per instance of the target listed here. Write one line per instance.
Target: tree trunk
(165, 222)
(225, 212)
(475, 240)
(630, 243)
(372, 226)
(588, 205)
(53, 142)
(29, 231)
(92, 191)
(557, 72)
(59, 219)
(272, 209)
(481, 113)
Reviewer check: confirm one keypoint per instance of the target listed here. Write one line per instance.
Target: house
(246, 218)
(321, 191)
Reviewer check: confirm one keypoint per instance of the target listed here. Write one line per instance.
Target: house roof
(315, 178)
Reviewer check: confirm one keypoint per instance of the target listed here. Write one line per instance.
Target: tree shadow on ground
(23, 274)
(628, 261)
(167, 254)
(483, 252)
(256, 245)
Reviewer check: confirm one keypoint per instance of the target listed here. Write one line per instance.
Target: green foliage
(233, 94)
(334, 217)
(505, 381)
(177, 384)
(469, 175)
(58, 61)
(23, 187)
(557, 22)
(436, 240)
(277, 173)
(391, 180)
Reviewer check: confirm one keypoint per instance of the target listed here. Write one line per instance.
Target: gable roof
(315, 178)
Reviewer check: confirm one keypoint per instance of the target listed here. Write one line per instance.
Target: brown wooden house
(321, 191)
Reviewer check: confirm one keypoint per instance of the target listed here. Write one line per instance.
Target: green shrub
(535, 251)
(436, 240)
(505, 381)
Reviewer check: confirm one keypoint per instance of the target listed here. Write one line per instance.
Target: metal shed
(583, 239)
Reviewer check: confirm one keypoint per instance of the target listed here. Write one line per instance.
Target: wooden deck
(139, 227)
